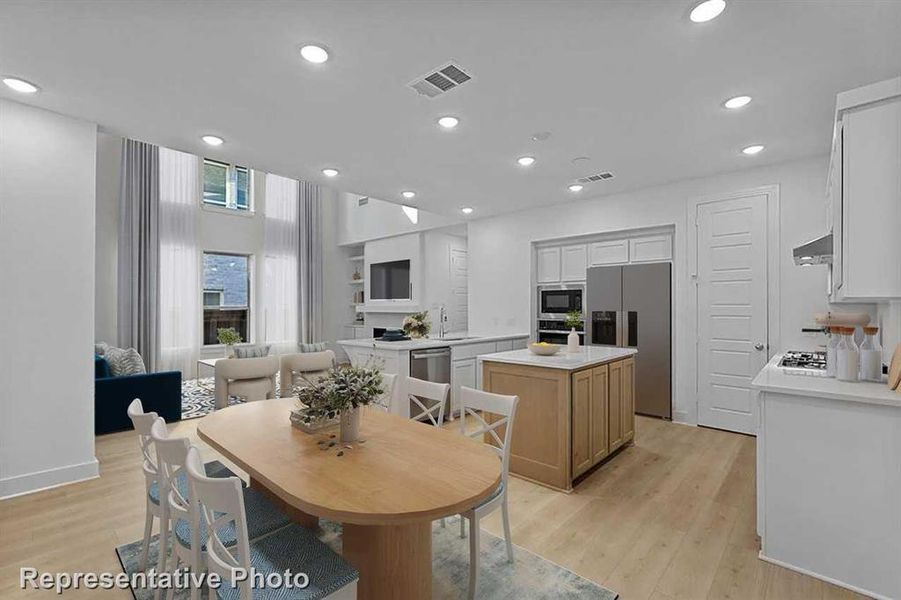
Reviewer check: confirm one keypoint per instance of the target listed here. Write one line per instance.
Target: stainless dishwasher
(432, 364)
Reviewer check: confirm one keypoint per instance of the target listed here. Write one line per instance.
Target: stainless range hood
(814, 252)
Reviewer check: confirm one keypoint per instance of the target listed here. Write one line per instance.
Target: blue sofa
(159, 393)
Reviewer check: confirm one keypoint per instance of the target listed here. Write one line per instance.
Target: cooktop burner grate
(797, 359)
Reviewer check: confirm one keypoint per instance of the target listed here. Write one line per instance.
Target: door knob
(758, 346)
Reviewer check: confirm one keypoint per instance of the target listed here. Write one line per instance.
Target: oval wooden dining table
(386, 491)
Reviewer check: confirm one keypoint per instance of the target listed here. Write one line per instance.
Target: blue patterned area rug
(529, 577)
(198, 398)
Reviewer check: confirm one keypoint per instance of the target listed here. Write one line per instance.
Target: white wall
(500, 257)
(47, 187)
(379, 219)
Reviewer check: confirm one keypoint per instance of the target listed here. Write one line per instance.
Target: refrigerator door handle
(619, 328)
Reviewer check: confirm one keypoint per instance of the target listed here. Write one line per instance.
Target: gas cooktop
(813, 362)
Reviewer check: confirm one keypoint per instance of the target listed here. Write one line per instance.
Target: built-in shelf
(359, 257)
(355, 281)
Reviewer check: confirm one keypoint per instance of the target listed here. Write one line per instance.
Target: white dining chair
(189, 536)
(427, 400)
(386, 400)
(294, 549)
(472, 404)
(142, 422)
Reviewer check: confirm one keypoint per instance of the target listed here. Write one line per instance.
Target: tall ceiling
(634, 86)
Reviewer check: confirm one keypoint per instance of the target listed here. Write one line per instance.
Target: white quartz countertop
(587, 356)
(773, 378)
(423, 343)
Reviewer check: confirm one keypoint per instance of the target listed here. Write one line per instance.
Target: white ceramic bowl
(544, 350)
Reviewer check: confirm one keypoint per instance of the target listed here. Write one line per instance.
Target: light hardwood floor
(670, 517)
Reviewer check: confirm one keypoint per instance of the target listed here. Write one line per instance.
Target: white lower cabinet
(463, 373)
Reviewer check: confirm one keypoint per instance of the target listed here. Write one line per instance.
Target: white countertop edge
(588, 356)
(415, 344)
(772, 379)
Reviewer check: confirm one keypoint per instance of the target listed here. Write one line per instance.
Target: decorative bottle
(572, 341)
(848, 363)
(831, 347)
(870, 356)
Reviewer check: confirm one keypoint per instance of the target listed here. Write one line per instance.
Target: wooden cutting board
(894, 370)
(839, 319)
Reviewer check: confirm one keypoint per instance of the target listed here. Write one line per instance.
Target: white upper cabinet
(614, 252)
(864, 195)
(548, 261)
(574, 262)
(653, 248)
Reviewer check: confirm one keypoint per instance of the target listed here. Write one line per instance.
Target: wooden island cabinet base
(568, 419)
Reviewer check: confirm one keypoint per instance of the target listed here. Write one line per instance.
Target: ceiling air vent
(441, 80)
(597, 177)
(363, 201)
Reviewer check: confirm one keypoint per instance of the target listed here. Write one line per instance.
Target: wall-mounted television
(390, 280)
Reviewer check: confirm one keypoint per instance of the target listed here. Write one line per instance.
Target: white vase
(350, 425)
(572, 341)
(229, 351)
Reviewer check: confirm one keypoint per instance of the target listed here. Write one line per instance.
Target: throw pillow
(252, 351)
(124, 361)
(316, 347)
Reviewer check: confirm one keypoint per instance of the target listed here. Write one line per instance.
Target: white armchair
(311, 365)
(248, 378)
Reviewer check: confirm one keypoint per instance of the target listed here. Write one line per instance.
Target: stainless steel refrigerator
(630, 306)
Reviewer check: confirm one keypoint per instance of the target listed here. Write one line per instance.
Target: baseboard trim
(831, 580)
(30, 483)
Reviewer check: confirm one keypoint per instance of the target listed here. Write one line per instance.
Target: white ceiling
(634, 85)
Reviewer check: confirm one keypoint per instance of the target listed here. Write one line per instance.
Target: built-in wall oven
(558, 300)
(555, 331)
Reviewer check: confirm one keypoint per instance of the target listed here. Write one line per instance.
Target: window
(225, 185)
(226, 295)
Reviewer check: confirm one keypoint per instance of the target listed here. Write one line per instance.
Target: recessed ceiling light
(314, 54)
(330, 172)
(707, 10)
(448, 122)
(737, 102)
(213, 140)
(408, 194)
(575, 187)
(526, 161)
(466, 210)
(756, 148)
(541, 136)
(20, 85)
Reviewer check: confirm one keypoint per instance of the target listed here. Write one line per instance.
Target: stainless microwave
(558, 301)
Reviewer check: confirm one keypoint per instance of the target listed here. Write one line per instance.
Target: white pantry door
(458, 311)
(732, 310)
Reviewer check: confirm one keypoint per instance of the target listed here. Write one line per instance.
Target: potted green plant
(338, 394)
(573, 320)
(417, 325)
(228, 336)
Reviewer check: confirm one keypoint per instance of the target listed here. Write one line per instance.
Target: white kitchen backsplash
(889, 321)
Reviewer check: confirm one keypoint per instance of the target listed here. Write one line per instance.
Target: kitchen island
(574, 410)
(829, 478)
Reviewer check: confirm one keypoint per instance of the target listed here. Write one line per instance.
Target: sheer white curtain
(281, 250)
(180, 310)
